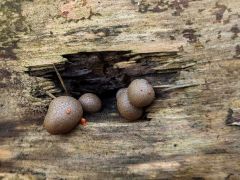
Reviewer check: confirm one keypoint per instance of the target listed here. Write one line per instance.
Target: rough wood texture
(189, 50)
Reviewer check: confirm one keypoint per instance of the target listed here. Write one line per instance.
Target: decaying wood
(188, 49)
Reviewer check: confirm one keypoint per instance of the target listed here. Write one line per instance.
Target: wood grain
(188, 49)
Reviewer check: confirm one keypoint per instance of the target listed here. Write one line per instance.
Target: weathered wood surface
(189, 50)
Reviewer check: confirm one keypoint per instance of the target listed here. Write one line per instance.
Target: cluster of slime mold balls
(65, 112)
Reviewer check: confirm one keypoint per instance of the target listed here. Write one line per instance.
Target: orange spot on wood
(83, 121)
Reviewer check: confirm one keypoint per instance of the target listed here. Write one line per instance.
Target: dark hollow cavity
(96, 72)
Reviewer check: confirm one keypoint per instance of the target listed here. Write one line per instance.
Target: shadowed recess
(105, 72)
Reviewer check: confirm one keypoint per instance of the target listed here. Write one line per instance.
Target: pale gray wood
(187, 136)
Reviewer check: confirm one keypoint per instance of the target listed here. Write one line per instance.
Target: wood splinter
(60, 79)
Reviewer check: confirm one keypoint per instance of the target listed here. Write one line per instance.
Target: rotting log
(188, 49)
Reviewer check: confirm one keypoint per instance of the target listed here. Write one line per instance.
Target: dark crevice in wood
(105, 72)
(100, 72)
(233, 117)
